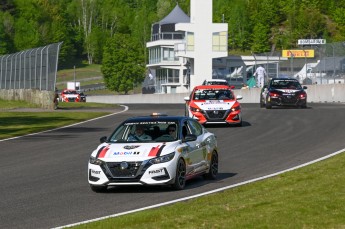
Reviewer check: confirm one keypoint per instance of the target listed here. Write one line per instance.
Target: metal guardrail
(30, 69)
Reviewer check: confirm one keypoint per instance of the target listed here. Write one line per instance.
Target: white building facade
(184, 51)
(182, 48)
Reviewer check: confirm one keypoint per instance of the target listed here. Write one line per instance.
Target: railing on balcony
(168, 36)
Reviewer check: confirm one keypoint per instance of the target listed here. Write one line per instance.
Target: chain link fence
(30, 69)
(310, 64)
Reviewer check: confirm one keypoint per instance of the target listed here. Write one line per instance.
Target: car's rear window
(286, 84)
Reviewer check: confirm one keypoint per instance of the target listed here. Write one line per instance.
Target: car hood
(286, 91)
(70, 95)
(133, 151)
(215, 104)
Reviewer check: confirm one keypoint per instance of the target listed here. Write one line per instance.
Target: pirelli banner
(307, 53)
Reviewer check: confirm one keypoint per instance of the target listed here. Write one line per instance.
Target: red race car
(69, 95)
(214, 104)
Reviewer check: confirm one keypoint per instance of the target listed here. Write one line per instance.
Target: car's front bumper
(218, 117)
(137, 173)
(287, 101)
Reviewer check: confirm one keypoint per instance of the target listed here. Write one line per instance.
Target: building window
(155, 55)
(169, 54)
(219, 42)
(190, 41)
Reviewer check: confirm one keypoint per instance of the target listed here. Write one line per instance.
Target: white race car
(154, 150)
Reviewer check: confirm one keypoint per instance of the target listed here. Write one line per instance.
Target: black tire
(268, 105)
(238, 124)
(180, 176)
(98, 188)
(213, 171)
(262, 105)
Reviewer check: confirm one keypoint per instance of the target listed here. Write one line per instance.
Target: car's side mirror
(238, 97)
(186, 98)
(190, 138)
(232, 87)
(103, 139)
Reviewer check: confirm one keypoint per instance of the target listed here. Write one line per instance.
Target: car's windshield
(146, 131)
(211, 94)
(286, 84)
(216, 83)
(70, 92)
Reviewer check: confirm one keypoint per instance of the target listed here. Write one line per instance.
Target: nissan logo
(124, 165)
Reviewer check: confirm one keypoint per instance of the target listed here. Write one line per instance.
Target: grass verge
(310, 197)
(16, 123)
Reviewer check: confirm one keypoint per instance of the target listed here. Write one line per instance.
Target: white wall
(316, 94)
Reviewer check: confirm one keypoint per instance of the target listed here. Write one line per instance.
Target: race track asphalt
(44, 176)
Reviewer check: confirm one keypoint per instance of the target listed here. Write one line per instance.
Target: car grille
(71, 99)
(217, 114)
(289, 99)
(116, 170)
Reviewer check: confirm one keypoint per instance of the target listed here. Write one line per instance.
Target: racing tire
(98, 188)
(213, 171)
(262, 105)
(268, 105)
(180, 176)
(240, 123)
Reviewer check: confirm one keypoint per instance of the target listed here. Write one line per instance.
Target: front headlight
(195, 109)
(162, 159)
(236, 108)
(95, 161)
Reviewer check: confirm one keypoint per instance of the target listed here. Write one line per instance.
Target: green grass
(88, 71)
(11, 104)
(64, 105)
(16, 123)
(86, 75)
(310, 197)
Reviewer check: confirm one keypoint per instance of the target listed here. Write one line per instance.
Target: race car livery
(175, 149)
(214, 104)
(69, 95)
(283, 92)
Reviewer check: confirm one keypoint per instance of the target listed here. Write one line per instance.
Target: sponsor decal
(103, 151)
(95, 172)
(131, 147)
(157, 172)
(288, 91)
(155, 151)
(126, 153)
(214, 102)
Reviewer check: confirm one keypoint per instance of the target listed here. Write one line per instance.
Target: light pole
(291, 62)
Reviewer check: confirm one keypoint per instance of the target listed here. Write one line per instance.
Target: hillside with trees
(91, 29)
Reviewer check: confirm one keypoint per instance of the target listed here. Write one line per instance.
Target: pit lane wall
(326, 93)
(43, 99)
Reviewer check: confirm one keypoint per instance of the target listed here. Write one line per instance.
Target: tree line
(114, 32)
